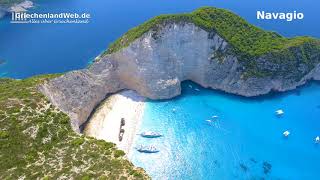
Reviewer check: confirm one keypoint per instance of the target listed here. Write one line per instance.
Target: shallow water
(245, 142)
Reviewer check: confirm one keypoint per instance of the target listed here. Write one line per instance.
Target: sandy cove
(105, 122)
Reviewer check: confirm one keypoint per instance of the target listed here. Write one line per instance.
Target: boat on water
(317, 140)
(286, 133)
(279, 112)
(215, 117)
(150, 134)
(197, 89)
(147, 149)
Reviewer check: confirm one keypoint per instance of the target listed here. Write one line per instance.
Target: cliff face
(155, 64)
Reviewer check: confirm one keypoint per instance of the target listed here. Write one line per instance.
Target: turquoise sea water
(245, 142)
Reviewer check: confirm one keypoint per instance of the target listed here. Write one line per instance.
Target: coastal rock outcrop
(156, 63)
(14, 6)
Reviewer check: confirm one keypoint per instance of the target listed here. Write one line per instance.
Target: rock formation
(156, 63)
(19, 6)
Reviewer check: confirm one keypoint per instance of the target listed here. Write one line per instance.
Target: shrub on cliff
(247, 41)
(36, 140)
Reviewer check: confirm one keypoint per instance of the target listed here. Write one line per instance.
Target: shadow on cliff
(185, 86)
(189, 88)
(130, 94)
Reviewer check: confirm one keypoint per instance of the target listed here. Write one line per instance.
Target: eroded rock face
(77, 93)
(155, 64)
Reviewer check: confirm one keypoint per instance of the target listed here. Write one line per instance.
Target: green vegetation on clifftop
(247, 41)
(36, 140)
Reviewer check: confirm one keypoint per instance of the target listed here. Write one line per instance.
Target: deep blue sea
(245, 142)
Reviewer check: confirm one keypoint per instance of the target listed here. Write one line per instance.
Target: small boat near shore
(279, 112)
(147, 149)
(150, 134)
(286, 133)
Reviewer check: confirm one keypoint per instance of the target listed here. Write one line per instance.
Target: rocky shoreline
(155, 64)
(18, 7)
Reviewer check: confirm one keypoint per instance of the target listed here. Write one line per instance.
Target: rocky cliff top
(37, 142)
(212, 47)
(247, 40)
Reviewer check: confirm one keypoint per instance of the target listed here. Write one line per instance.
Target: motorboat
(150, 134)
(279, 112)
(317, 140)
(147, 149)
(286, 133)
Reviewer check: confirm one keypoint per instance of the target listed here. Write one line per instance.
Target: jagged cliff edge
(155, 64)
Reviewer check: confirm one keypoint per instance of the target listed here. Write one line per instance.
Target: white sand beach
(105, 122)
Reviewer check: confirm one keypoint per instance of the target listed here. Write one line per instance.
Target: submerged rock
(266, 167)
(253, 160)
(243, 167)
(2, 61)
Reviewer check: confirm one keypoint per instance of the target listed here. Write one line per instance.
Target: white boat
(174, 110)
(197, 89)
(190, 86)
(209, 121)
(150, 134)
(215, 117)
(147, 149)
(279, 112)
(317, 139)
(286, 133)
